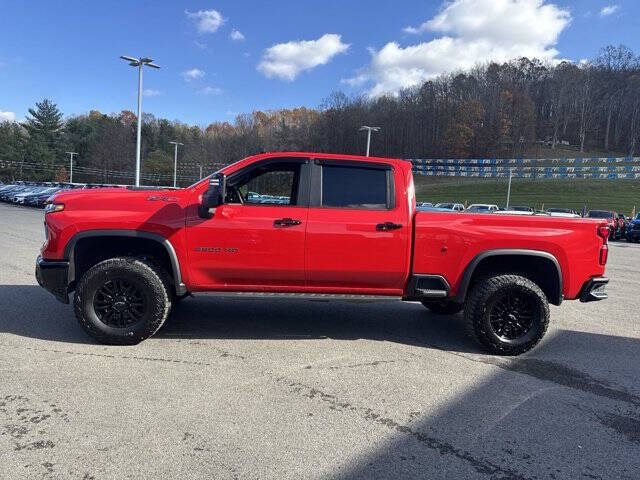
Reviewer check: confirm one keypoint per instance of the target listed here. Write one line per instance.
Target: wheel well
(541, 270)
(89, 251)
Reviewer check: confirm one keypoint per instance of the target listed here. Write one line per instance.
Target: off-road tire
(443, 307)
(480, 306)
(141, 273)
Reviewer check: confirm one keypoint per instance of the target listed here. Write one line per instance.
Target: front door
(256, 239)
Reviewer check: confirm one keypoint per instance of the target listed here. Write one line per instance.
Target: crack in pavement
(223, 354)
(481, 466)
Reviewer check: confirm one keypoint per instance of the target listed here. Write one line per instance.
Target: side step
(429, 293)
(303, 296)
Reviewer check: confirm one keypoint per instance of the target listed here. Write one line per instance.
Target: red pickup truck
(307, 225)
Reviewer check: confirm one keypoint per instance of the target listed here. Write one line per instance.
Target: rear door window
(355, 187)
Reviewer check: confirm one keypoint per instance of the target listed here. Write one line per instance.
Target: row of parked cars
(621, 227)
(36, 194)
(489, 208)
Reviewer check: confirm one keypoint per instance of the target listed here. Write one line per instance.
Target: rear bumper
(52, 275)
(594, 290)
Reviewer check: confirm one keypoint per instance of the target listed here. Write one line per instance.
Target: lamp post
(71, 154)
(139, 62)
(509, 188)
(369, 130)
(175, 162)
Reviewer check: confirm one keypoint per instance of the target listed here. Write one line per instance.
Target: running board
(303, 296)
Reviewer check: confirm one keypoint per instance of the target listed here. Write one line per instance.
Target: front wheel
(507, 314)
(443, 307)
(122, 301)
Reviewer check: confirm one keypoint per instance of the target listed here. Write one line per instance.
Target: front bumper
(52, 275)
(594, 290)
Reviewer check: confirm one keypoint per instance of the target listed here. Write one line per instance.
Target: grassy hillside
(619, 195)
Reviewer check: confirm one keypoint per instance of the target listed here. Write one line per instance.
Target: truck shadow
(570, 409)
(29, 311)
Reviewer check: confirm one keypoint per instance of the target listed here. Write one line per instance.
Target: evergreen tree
(45, 144)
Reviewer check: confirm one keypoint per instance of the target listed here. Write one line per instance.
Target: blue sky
(288, 53)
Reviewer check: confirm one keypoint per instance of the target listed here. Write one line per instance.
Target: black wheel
(507, 314)
(443, 307)
(122, 301)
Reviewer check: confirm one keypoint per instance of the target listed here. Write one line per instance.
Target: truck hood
(160, 210)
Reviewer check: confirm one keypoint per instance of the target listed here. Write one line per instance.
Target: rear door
(358, 230)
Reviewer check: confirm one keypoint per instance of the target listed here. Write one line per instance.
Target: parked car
(432, 209)
(456, 207)
(40, 199)
(633, 229)
(563, 212)
(616, 224)
(350, 231)
(482, 208)
(424, 204)
(19, 197)
(521, 208)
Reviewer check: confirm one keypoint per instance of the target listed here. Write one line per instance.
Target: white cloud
(609, 10)
(236, 35)
(7, 116)
(151, 92)
(192, 74)
(287, 60)
(207, 21)
(473, 31)
(210, 91)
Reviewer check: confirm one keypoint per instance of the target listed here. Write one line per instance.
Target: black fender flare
(69, 250)
(471, 267)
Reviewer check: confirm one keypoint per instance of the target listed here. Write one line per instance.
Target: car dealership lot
(299, 389)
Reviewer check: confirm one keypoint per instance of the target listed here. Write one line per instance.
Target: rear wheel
(443, 307)
(507, 314)
(122, 301)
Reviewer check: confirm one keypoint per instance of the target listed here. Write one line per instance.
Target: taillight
(604, 254)
(604, 231)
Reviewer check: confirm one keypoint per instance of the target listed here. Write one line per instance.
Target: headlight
(53, 207)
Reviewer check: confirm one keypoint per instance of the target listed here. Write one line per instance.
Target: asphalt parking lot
(297, 389)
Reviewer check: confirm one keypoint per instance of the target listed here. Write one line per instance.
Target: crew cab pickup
(307, 225)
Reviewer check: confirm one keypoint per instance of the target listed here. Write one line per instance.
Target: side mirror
(214, 195)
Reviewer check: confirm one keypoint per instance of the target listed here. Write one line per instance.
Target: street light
(71, 154)
(139, 62)
(369, 129)
(175, 161)
(509, 188)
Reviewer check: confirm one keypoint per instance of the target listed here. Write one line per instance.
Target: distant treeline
(493, 110)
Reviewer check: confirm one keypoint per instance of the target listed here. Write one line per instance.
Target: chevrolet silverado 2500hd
(312, 225)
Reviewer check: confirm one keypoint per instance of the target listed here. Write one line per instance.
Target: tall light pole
(71, 154)
(175, 162)
(509, 188)
(139, 62)
(369, 129)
